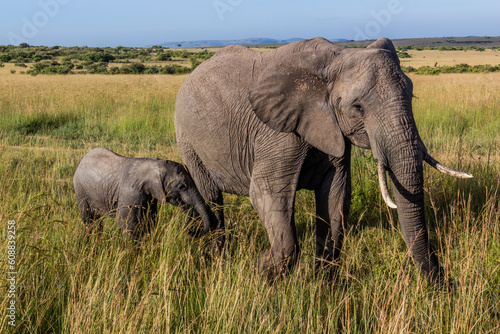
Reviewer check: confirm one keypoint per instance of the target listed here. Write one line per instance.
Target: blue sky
(149, 22)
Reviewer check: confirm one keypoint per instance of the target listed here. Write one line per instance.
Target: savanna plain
(171, 283)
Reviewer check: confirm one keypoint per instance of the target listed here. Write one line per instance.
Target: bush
(50, 68)
(139, 68)
(163, 57)
(5, 58)
(408, 69)
(134, 68)
(428, 70)
(195, 63)
(39, 56)
(152, 70)
(99, 68)
(98, 57)
(404, 54)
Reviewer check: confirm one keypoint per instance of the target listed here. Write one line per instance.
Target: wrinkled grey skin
(129, 188)
(268, 124)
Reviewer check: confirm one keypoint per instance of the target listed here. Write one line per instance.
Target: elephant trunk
(204, 212)
(198, 204)
(408, 186)
(400, 151)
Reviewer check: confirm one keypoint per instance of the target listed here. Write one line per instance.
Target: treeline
(127, 60)
(460, 68)
(433, 48)
(102, 68)
(66, 60)
(444, 48)
(25, 53)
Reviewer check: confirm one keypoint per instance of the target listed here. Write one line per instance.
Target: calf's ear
(153, 184)
(157, 190)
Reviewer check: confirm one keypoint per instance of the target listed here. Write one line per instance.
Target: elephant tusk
(446, 170)
(382, 178)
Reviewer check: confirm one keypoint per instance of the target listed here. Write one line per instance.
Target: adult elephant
(269, 124)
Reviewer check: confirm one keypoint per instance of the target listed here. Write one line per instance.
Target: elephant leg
(150, 218)
(276, 211)
(90, 219)
(333, 199)
(272, 194)
(128, 218)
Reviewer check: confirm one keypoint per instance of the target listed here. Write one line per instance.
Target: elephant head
(329, 96)
(174, 185)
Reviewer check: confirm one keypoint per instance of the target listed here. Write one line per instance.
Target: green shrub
(404, 54)
(98, 57)
(98, 68)
(5, 58)
(428, 70)
(134, 68)
(50, 68)
(164, 57)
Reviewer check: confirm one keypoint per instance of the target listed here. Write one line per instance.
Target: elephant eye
(182, 187)
(359, 109)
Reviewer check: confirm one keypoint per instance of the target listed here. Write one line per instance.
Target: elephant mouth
(359, 138)
(384, 189)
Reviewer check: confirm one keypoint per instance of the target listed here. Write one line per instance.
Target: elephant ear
(384, 43)
(291, 96)
(154, 183)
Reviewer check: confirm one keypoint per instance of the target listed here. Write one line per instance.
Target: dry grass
(450, 58)
(463, 104)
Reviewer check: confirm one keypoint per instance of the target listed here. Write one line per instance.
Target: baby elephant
(109, 184)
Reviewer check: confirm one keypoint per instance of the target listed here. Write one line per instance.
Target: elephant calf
(129, 188)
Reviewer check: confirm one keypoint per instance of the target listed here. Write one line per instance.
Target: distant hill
(439, 41)
(246, 41)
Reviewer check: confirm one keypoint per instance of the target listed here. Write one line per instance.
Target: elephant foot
(217, 244)
(438, 279)
(93, 228)
(274, 269)
(325, 268)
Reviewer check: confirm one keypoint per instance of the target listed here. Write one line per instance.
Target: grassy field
(450, 58)
(172, 284)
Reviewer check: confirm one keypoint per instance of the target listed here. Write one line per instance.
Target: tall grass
(172, 283)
